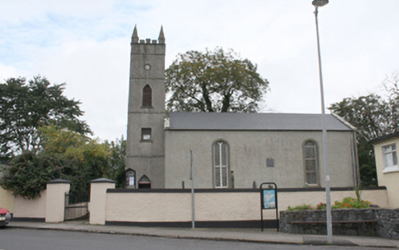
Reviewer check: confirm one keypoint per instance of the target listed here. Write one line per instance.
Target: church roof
(254, 121)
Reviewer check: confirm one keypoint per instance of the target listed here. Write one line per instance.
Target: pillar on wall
(55, 199)
(98, 198)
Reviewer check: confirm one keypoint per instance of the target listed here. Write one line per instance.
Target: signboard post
(192, 190)
(268, 198)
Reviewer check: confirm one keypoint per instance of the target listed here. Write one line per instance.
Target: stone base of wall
(388, 223)
(199, 224)
(357, 222)
(353, 229)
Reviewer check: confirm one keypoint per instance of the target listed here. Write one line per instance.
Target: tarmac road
(19, 239)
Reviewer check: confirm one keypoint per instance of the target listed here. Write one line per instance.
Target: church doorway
(144, 182)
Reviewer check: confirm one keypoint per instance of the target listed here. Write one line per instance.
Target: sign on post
(268, 198)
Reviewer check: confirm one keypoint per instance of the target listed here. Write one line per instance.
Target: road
(20, 239)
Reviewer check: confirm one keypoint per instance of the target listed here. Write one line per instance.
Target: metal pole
(192, 190)
(325, 151)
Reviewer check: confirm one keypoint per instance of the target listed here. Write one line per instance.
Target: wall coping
(59, 181)
(239, 190)
(102, 180)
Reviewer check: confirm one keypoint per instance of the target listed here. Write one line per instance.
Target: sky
(86, 44)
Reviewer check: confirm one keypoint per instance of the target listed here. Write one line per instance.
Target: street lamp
(317, 4)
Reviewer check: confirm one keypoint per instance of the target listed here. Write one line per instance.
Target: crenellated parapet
(136, 40)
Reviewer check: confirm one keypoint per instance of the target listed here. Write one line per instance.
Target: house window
(390, 158)
(221, 164)
(146, 134)
(311, 162)
(147, 96)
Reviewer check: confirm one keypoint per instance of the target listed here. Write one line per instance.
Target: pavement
(270, 236)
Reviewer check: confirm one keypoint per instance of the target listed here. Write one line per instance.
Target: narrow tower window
(147, 96)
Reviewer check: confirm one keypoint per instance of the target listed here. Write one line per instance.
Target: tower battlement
(136, 40)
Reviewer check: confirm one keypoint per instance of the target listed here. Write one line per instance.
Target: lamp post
(317, 4)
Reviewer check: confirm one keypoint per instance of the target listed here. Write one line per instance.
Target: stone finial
(161, 38)
(135, 37)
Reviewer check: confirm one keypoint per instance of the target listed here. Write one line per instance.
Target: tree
(27, 106)
(86, 159)
(28, 173)
(373, 116)
(214, 81)
(117, 161)
(69, 155)
(391, 84)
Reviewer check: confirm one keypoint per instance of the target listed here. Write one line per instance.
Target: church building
(229, 150)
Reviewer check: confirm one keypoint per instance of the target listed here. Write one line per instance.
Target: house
(229, 150)
(386, 159)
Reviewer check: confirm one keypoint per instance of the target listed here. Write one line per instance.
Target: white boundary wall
(33, 209)
(214, 205)
(49, 207)
(6, 200)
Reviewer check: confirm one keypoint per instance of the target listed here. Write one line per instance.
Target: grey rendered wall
(248, 153)
(147, 157)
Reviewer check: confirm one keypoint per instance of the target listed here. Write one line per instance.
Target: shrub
(350, 202)
(347, 202)
(301, 207)
(321, 206)
(28, 174)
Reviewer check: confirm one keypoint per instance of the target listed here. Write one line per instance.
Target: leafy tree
(28, 174)
(373, 116)
(90, 157)
(27, 106)
(117, 161)
(59, 141)
(65, 154)
(214, 81)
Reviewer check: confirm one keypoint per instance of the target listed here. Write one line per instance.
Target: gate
(76, 207)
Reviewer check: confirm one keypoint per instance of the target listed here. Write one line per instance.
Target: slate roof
(253, 121)
(384, 137)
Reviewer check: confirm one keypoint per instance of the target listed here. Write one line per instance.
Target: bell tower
(145, 149)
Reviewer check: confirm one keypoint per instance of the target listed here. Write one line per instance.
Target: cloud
(87, 45)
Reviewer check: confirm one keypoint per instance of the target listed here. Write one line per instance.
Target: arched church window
(310, 154)
(221, 167)
(147, 96)
(130, 178)
(144, 182)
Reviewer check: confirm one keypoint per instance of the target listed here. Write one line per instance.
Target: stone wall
(388, 223)
(360, 222)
